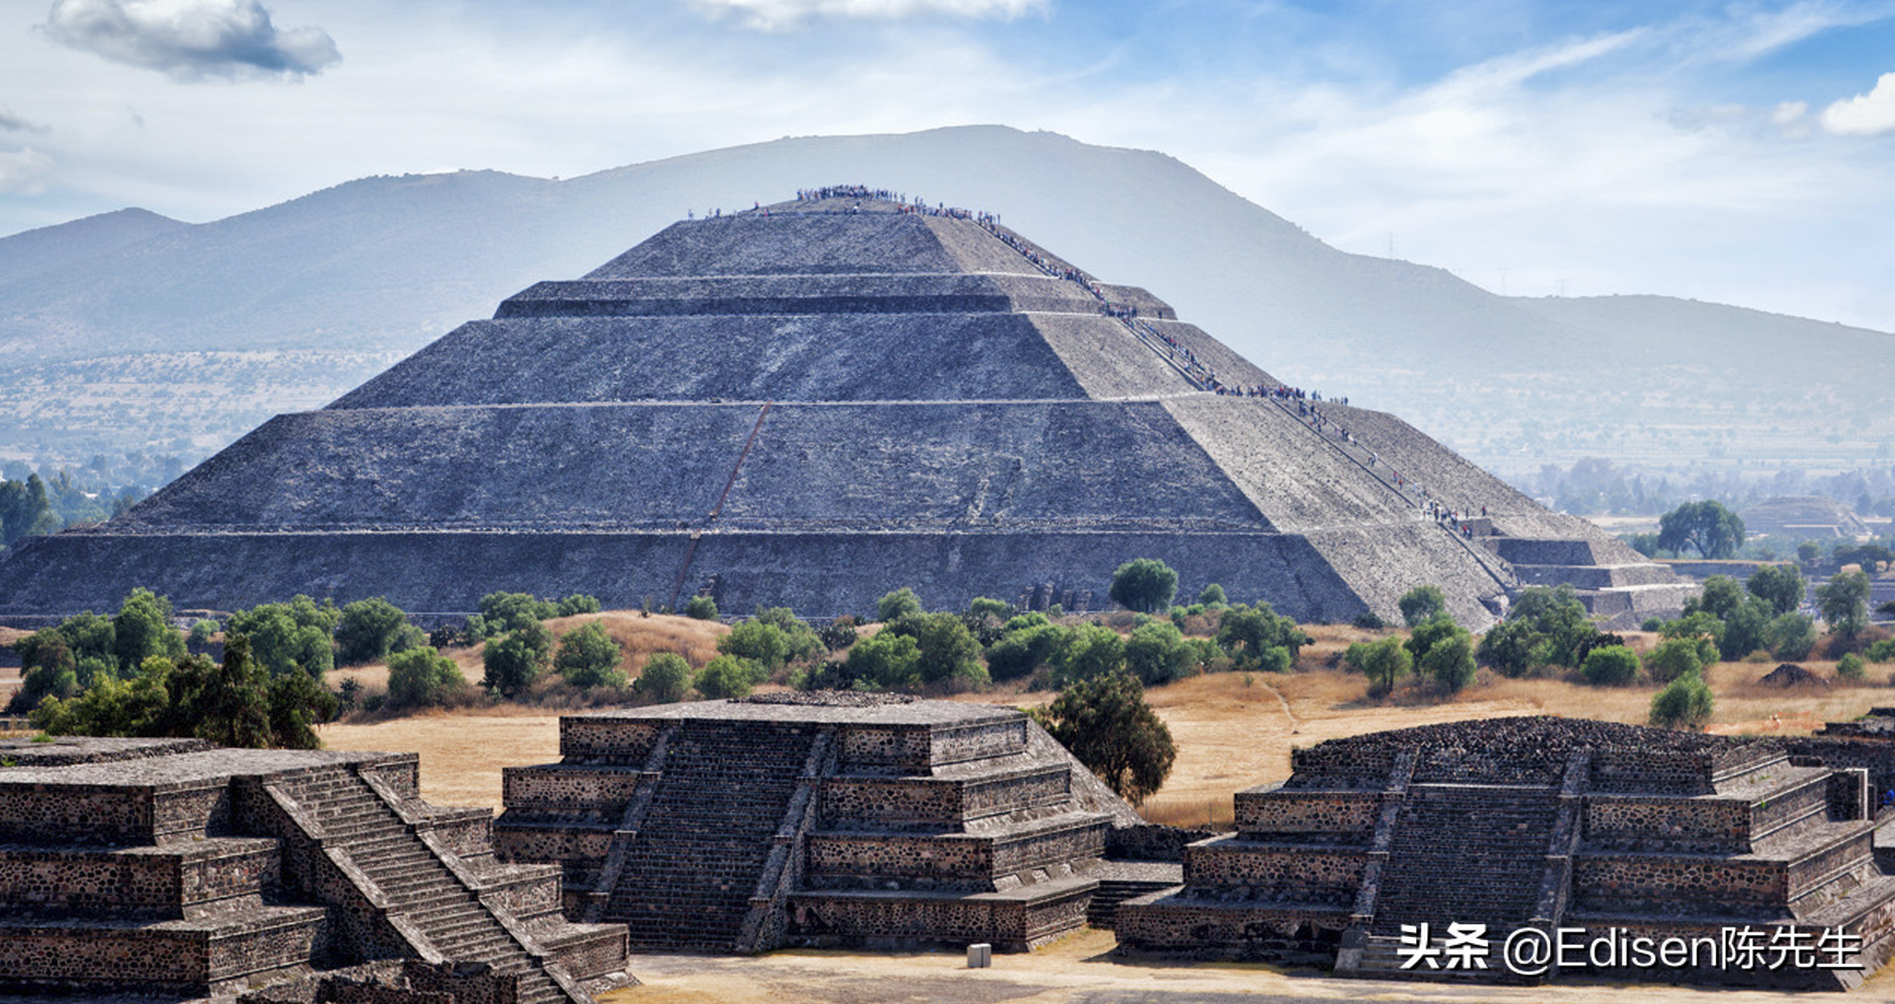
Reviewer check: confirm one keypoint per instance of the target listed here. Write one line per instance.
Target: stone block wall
(1307, 816)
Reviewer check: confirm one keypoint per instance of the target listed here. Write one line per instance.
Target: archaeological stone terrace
(1545, 823)
(810, 405)
(171, 868)
(821, 819)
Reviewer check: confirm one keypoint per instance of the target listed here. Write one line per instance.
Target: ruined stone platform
(1535, 823)
(809, 405)
(174, 867)
(815, 819)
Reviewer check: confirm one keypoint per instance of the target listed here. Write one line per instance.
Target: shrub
(1087, 652)
(987, 606)
(1368, 621)
(1157, 653)
(665, 679)
(143, 629)
(1383, 662)
(422, 678)
(576, 604)
(367, 630)
(701, 608)
(1610, 666)
(1107, 725)
(1845, 603)
(1781, 586)
(515, 659)
(1450, 659)
(729, 676)
(1025, 649)
(504, 612)
(1145, 585)
(1849, 667)
(1565, 629)
(885, 661)
(761, 643)
(896, 604)
(1651, 624)
(588, 657)
(1248, 632)
(948, 654)
(1685, 703)
(838, 634)
(1673, 659)
(202, 632)
(800, 641)
(1422, 603)
(1881, 651)
(1746, 629)
(293, 635)
(1510, 647)
(1212, 596)
(1791, 636)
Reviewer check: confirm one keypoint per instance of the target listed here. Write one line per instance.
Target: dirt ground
(1081, 969)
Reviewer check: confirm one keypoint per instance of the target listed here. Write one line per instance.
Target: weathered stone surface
(1538, 822)
(810, 406)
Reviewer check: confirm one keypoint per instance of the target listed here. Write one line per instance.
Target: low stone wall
(599, 740)
(562, 786)
(53, 881)
(1177, 925)
(1008, 923)
(854, 801)
(1631, 823)
(1330, 817)
(1288, 874)
(1151, 842)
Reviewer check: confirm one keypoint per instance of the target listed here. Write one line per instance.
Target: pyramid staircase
(434, 905)
(724, 791)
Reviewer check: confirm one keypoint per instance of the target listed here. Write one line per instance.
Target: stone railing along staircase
(423, 890)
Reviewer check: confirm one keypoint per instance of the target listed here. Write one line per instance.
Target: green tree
(729, 676)
(203, 632)
(1559, 617)
(1719, 595)
(294, 635)
(1157, 653)
(1685, 703)
(701, 608)
(504, 612)
(1510, 647)
(800, 641)
(1746, 629)
(1087, 652)
(143, 629)
(1107, 725)
(1706, 527)
(514, 660)
(25, 509)
(1610, 666)
(1024, 649)
(896, 604)
(368, 630)
(1212, 596)
(761, 643)
(987, 606)
(1791, 636)
(297, 704)
(665, 679)
(1782, 586)
(422, 678)
(232, 706)
(1384, 662)
(1146, 585)
(1674, 658)
(885, 661)
(1808, 551)
(1247, 633)
(1844, 602)
(1849, 667)
(1700, 628)
(950, 656)
(588, 657)
(1422, 603)
(1444, 651)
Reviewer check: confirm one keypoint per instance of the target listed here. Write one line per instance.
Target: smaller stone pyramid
(830, 818)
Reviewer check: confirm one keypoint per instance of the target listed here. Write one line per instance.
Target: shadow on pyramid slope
(814, 403)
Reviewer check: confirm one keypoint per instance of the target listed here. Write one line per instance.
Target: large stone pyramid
(812, 404)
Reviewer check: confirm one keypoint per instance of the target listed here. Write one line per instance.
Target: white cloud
(1865, 114)
(773, 14)
(24, 172)
(191, 39)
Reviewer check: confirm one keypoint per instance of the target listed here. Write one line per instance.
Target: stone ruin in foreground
(169, 867)
(809, 405)
(1543, 823)
(821, 819)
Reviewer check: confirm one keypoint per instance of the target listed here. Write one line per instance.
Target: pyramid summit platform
(812, 404)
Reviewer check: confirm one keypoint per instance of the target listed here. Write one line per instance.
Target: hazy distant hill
(387, 264)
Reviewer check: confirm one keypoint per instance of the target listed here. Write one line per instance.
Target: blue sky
(1736, 152)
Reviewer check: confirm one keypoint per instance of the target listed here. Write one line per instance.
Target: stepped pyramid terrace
(827, 818)
(811, 404)
(177, 869)
(1547, 823)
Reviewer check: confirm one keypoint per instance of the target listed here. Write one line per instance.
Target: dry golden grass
(461, 753)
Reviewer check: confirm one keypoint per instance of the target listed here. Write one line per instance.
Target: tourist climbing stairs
(691, 871)
(1469, 854)
(419, 888)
